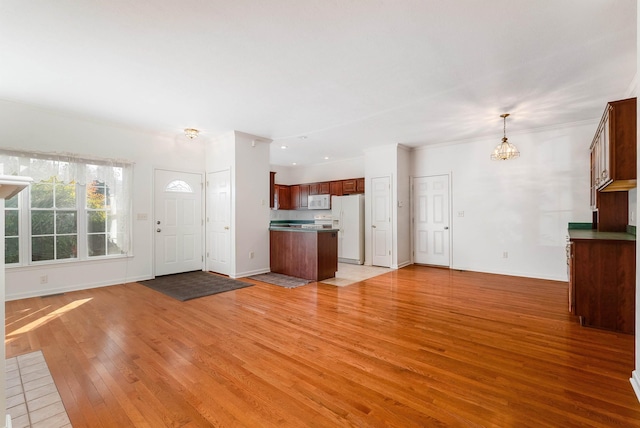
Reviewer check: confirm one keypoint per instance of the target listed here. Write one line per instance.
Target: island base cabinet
(311, 255)
(603, 284)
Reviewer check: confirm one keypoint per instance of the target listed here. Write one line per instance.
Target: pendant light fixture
(505, 150)
(191, 133)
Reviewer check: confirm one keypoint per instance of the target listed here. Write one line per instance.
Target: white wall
(251, 196)
(30, 128)
(403, 208)
(325, 171)
(521, 206)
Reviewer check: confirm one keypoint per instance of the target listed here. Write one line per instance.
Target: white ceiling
(346, 74)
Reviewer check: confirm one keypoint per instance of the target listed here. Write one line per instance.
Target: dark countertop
(581, 234)
(299, 229)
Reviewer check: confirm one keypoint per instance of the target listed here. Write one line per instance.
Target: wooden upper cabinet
(272, 189)
(304, 196)
(349, 186)
(613, 150)
(282, 197)
(335, 188)
(360, 185)
(319, 188)
(295, 197)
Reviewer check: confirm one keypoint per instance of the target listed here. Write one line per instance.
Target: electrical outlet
(251, 254)
(460, 213)
(505, 255)
(44, 279)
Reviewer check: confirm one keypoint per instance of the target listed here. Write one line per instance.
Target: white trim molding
(635, 383)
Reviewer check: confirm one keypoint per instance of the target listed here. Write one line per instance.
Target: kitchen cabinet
(613, 149)
(295, 197)
(304, 196)
(602, 279)
(349, 186)
(272, 189)
(335, 188)
(319, 188)
(360, 185)
(299, 197)
(282, 197)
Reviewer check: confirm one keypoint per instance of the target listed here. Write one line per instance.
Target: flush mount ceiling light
(191, 133)
(505, 150)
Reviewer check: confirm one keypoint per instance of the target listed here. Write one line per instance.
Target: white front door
(178, 222)
(431, 220)
(219, 221)
(381, 221)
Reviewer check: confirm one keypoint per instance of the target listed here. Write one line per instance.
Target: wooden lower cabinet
(602, 283)
(308, 254)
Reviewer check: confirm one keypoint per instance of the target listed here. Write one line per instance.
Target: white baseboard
(249, 273)
(635, 383)
(8, 423)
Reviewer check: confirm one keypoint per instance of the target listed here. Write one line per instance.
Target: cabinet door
(283, 196)
(304, 195)
(272, 189)
(360, 185)
(349, 186)
(314, 188)
(324, 188)
(295, 197)
(335, 188)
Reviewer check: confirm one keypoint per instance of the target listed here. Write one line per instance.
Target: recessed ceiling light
(294, 163)
(303, 137)
(283, 147)
(326, 157)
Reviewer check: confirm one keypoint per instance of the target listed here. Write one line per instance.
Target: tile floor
(348, 274)
(33, 400)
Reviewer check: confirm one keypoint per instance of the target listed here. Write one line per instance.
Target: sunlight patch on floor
(349, 274)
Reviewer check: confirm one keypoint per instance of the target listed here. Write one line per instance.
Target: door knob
(373, 225)
(446, 228)
(158, 230)
(158, 222)
(226, 228)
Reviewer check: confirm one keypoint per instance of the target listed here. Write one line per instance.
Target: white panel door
(431, 220)
(381, 221)
(178, 222)
(219, 222)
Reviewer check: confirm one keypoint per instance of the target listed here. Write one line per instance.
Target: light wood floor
(416, 347)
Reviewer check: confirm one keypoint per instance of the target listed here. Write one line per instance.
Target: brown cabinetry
(309, 254)
(272, 187)
(360, 185)
(319, 188)
(349, 186)
(295, 197)
(602, 280)
(613, 150)
(335, 188)
(282, 197)
(304, 196)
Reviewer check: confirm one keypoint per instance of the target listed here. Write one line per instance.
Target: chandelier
(505, 150)
(191, 133)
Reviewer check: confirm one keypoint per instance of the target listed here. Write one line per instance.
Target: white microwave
(319, 202)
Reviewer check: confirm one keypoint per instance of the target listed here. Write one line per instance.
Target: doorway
(431, 213)
(381, 237)
(219, 222)
(178, 227)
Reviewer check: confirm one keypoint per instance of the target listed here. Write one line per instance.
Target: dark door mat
(280, 279)
(191, 285)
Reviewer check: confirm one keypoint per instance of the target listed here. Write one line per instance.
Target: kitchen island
(307, 253)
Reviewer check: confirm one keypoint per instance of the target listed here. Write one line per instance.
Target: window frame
(120, 232)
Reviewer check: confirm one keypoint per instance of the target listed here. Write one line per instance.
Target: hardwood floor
(412, 348)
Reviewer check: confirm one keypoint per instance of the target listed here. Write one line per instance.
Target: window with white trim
(76, 209)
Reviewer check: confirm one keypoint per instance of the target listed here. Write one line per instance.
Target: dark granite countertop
(299, 229)
(582, 234)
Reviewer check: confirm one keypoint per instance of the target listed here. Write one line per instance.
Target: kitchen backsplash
(297, 214)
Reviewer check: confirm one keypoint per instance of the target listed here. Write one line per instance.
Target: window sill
(67, 262)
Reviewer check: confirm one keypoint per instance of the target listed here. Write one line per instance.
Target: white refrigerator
(347, 213)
